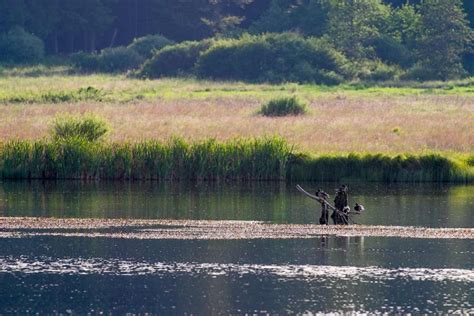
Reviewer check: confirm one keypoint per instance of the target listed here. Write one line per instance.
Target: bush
(376, 71)
(304, 72)
(19, 46)
(273, 58)
(85, 62)
(283, 107)
(423, 71)
(174, 60)
(147, 45)
(117, 59)
(87, 127)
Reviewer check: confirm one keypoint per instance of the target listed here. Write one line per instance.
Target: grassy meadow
(392, 119)
(418, 118)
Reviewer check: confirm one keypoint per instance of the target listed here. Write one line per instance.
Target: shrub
(147, 45)
(284, 106)
(117, 59)
(419, 72)
(304, 72)
(19, 46)
(87, 127)
(174, 60)
(85, 62)
(423, 71)
(376, 71)
(273, 58)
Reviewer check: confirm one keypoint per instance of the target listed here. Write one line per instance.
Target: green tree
(275, 19)
(445, 37)
(404, 25)
(310, 17)
(354, 24)
(220, 18)
(397, 41)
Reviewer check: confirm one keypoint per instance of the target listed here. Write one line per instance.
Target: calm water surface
(414, 205)
(327, 274)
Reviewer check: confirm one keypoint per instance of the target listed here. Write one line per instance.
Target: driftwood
(314, 197)
(323, 201)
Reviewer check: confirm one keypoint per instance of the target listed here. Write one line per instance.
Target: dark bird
(322, 195)
(342, 188)
(358, 208)
(346, 209)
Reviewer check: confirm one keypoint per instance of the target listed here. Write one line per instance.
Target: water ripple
(80, 266)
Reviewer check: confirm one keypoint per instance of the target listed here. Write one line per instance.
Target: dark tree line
(71, 25)
(429, 34)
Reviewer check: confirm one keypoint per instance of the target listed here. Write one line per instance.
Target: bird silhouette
(359, 208)
(322, 195)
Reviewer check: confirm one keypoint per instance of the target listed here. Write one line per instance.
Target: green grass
(44, 83)
(23, 87)
(241, 159)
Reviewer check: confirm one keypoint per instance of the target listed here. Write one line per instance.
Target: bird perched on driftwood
(359, 208)
(322, 195)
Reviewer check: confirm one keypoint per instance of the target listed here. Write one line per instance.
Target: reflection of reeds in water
(240, 159)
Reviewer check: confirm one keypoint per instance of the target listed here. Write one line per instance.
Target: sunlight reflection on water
(300, 272)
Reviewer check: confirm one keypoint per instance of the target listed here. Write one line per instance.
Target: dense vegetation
(252, 159)
(326, 42)
(77, 149)
(380, 40)
(273, 58)
(77, 158)
(175, 60)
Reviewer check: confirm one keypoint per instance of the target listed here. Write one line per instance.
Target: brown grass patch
(336, 123)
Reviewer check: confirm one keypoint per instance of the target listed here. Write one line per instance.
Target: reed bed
(75, 158)
(381, 168)
(238, 159)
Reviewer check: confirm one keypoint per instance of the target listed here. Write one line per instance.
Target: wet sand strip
(19, 227)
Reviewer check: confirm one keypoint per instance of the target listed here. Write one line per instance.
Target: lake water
(54, 274)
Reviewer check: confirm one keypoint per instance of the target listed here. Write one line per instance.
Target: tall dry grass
(336, 122)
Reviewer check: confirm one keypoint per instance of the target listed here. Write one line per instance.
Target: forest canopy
(431, 38)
